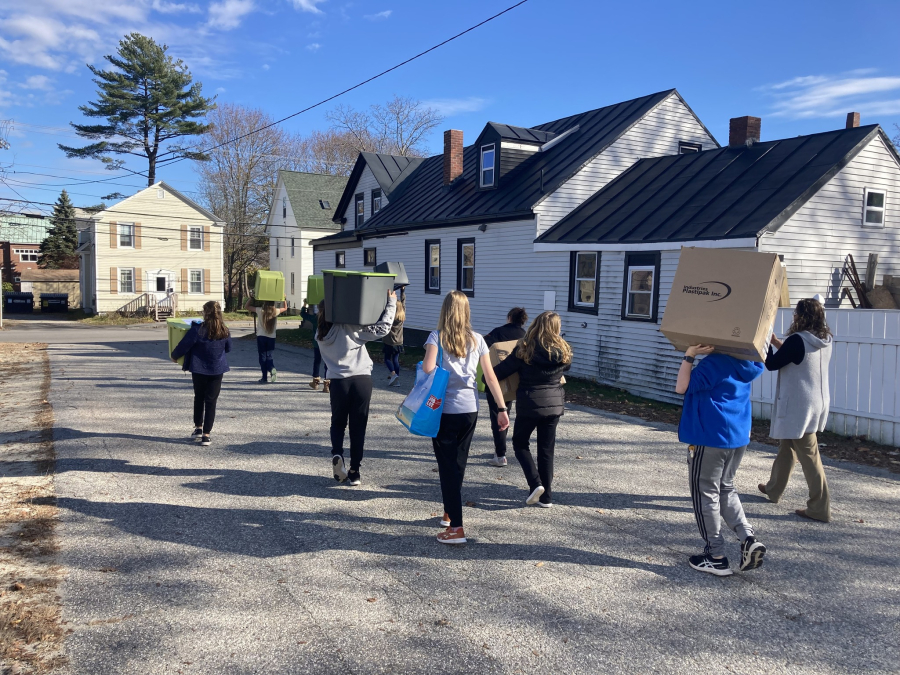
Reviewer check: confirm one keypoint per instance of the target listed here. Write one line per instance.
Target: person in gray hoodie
(801, 406)
(343, 348)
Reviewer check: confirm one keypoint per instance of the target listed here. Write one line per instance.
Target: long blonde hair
(545, 331)
(213, 321)
(400, 316)
(269, 316)
(455, 326)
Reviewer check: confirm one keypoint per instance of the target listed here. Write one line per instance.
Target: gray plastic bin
(355, 297)
(395, 268)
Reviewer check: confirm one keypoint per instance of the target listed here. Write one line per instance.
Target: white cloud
(814, 96)
(265, 66)
(164, 7)
(310, 6)
(228, 14)
(314, 47)
(457, 106)
(41, 82)
(380, 15)
(221, 90)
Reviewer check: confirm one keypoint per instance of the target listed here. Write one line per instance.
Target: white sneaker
(535, 495)
(340, 471)
(393, 379)
(496, 460)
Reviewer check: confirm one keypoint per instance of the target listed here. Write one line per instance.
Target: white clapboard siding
(657, 134)
(366, 184)
(816, 239)
(864, 374)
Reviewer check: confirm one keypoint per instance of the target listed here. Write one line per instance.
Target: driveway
(246, 557)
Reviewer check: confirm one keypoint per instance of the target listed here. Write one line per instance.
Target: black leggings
(499, 436)
(206, 394)
(542, 474)
(451, 448)
(350, 398)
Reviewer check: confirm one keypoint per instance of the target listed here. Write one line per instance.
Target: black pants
(266, 348)
(499, 436)
(206, 393)
(350, 398)
(542, 474)
(451, 448)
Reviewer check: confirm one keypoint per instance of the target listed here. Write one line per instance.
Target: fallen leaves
(371, 599)
(540, 564)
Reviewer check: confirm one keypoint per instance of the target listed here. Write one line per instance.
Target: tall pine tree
(58, 249)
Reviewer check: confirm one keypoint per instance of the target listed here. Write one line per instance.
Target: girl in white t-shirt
(266, 329)
(463, 349)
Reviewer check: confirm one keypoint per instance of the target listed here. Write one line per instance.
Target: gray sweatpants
(712, 493)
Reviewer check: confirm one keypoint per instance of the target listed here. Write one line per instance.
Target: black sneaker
(353, 477)
(340, 471)
(204, 439)
(752, 553)
(706, 563)
(198, 432)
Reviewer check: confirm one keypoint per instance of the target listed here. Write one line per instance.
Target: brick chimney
(743, 130)
(453, 155)
(852, 120)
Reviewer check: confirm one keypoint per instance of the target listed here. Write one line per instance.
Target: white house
(302, 211)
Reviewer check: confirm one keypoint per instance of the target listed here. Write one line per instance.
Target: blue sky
(801, 66)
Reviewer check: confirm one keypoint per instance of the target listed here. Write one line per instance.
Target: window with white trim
(160, 193)
(466, 270)
(126, 280)
(370, 257)
(640, 287)
(27, 254)
(376, 201)
(584, 288)
(488, 157)
(195, 238)
(873, 207)
(126, 235)
(195, 282)
(685, 148)
(360, 209)
(433, 266)
(340, 259)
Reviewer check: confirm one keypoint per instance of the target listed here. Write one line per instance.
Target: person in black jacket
(540, 360)
(513, 330)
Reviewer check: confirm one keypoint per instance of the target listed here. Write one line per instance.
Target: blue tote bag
(421, 411)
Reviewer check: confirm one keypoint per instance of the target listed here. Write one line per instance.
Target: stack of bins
(178, 328)
(355, 297)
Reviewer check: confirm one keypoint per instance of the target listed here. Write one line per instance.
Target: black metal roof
(729, 193)
(422, 199)
(522, 134)
(387, 170)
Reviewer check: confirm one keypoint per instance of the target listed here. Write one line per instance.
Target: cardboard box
(269, 286)
(498, 352)
(724, 298)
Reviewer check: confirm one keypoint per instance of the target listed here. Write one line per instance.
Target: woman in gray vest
(801, 406)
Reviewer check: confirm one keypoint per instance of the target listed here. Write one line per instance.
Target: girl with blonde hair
(461, 351)
(540, 360)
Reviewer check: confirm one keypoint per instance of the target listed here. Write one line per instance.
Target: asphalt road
(246, 557)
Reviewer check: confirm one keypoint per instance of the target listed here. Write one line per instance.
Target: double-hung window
(126, 235)
(584, 278)
(195, 282)
(488, 156)
(640, 295)
(360, 209)
(465, 270)
(376, 201)
(340, 259)
(873, 209)
(433, 266)
(126, 280)
(370, 257)
(195, 238)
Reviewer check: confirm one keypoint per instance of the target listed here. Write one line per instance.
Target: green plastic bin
(269, 286)
(315, 289)
(178, 328)
(355, 297)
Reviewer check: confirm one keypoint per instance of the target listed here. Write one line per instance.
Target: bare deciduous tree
(397, 128)
(331, 152)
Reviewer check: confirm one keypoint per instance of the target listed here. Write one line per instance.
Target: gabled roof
(97, 215)
(426, 202)
(309, 193)
(389, 171)
(729, 193)
(508, 132)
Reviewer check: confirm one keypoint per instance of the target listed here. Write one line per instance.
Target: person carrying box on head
(513, 329)
(393, 342)
(313, 318)
(266, 330)
(715, 423)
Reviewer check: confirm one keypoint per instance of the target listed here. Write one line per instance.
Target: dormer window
(488, 161)
(325, 204)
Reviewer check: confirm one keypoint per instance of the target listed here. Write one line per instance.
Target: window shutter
(138, 279)
(137, 235)
(184, 237)
(184, 281)
(206, 275)
(206, 238)
(114, 280)
(114, 235)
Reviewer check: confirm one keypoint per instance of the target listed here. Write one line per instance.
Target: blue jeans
(391, 358)
(317, 361)
(266, 348)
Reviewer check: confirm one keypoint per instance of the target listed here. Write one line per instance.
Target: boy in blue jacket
(715, 423)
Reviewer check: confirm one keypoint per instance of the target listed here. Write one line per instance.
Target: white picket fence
(864, 374)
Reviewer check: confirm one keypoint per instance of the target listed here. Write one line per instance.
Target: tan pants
(806, 450)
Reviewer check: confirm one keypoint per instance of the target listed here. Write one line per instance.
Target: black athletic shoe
(353, 477)
(706, 563)
(340, 471)
(198, 432)
(752, 553)
(204, 439)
